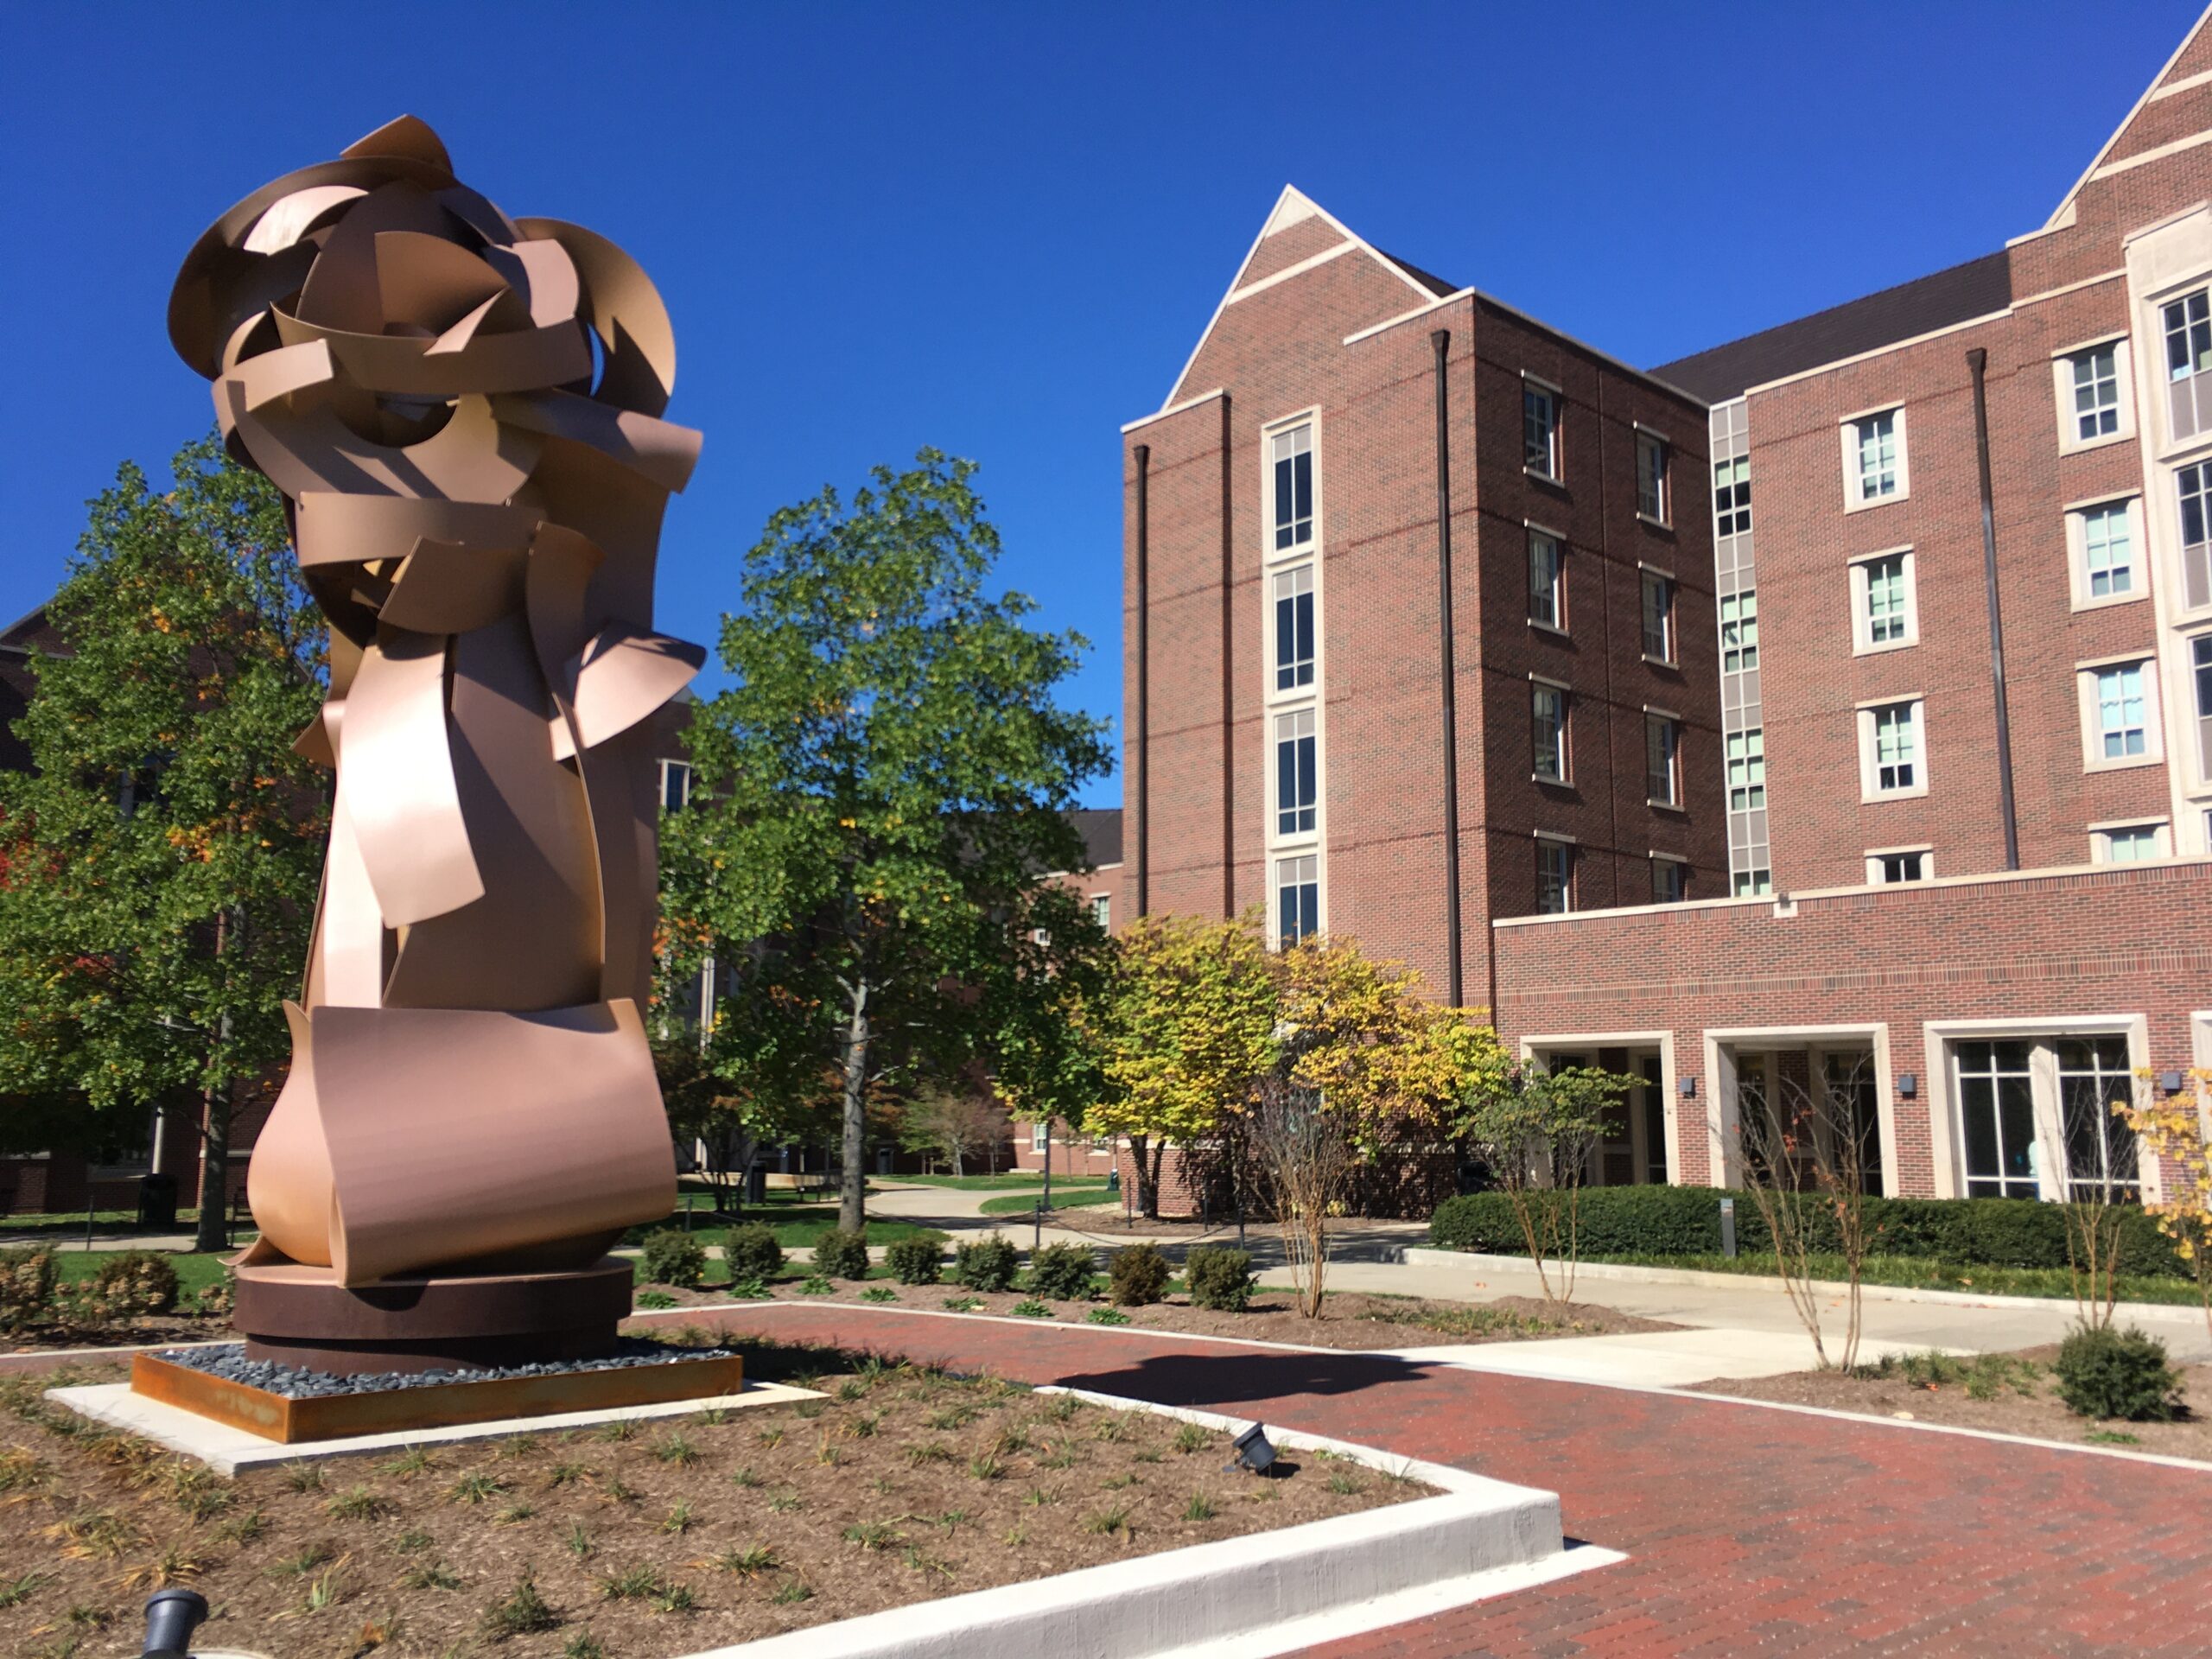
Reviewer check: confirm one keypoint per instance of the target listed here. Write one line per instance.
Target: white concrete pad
(227, 1450)
(1661, 1359)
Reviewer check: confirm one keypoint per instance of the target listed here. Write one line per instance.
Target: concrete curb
(1271, 1592)
(1419, 1255)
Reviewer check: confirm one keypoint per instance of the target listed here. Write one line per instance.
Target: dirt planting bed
(900, 1484)
(2010, 1393)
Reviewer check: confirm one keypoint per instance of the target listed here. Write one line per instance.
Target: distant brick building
(1835, 703)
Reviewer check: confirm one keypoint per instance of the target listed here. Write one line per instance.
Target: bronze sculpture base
(295, 1315)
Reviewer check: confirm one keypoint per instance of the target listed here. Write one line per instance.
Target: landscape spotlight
(171, 1617)
(1252, 1451)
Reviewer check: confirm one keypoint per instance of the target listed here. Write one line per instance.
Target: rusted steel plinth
(296, 1315)
(430, 1405)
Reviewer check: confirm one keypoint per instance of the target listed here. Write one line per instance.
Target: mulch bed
(145, 1329)
(1350, 1320)
(2015, 1395)
(651, 1539)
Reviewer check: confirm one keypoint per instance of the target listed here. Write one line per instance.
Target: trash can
(756, 1183)
(157, 1202)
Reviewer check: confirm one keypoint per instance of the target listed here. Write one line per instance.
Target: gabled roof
(2063, 214)
(1906, 312)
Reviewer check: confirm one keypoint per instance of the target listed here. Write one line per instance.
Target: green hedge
(1685, 1221)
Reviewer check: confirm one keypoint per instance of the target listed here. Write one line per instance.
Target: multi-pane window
(1669, 881)
(1658, 617)
(1652, 458)
(2195, 484)
(2094, 1076)
(2096, 391)
(675, 785)
(2133, 844)
(1548, 722)
(2108, 549)
(1888, 868)
(1546, 580)
(1997, 1113)
(1294, 628)
(1663, 759)
(1731, 496)
(2200, 671)
(1293, 454)
(1555, 876)
(1297, 790)
(1874, 444)
(1298, 898)
(1040, 1136)
(2122, 716)
(2188, 325)
(1893, 731)
(1752, 884)
(1101, 910)
(1887, 596)
(1739, 632)
(1540, 429)
(1747, 770)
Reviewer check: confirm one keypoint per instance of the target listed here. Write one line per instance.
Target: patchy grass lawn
(655, 1539)
(1065, 1195)
(1919, 1273)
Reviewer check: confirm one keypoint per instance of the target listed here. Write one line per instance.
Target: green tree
(1540, 1130)
(162, 859)
(877, 795)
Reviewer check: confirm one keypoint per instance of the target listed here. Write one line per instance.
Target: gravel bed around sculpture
(230, 1362)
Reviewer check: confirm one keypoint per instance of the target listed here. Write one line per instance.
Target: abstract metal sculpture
(463, 412)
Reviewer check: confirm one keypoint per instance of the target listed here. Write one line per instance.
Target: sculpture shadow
(1249, 1378)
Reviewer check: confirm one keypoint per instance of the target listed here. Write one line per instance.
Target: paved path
(1748, 1530)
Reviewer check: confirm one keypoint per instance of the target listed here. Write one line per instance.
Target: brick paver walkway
(1749, 1531)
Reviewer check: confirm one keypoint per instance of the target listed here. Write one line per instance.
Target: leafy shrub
(1030, 1308)
(985, 1263)
(675, 1258)
(746, 1290)
(1685, 1221)
(2116, 1373)
(842, 1254)
(1137, 1276)
(655, 1299)
(916, 1261)
(221, 1297)
(137, 1281)
(1063, 1272)
(1218, 1277)
(26, 1286)
(752, 1251)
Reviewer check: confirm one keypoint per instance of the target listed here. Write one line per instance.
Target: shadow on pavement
(1212, 1380)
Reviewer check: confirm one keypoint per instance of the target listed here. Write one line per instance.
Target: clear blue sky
(998, 229)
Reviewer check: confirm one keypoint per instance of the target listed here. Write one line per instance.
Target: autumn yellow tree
(2171, 1129)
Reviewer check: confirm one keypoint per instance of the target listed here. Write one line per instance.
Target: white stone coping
(1424, 1255)
(227, 1450)
(1267, 1593)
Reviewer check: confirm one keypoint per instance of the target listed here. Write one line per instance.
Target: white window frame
(1664, 720)
(1288, 864)
(1854, 498)
(1310, 570)
(2193, 376)
(1290, 717)
(1656, 445)
(1564, 748)
(1733, 518)
(2086, 677)
(1670, 622)
(1041, 1136)
(1560, 621)
(2080, 578)
(1556, 398)
(2101, 837)
(1752, 884)
(2203, 559)
(2061, 381)
(1869, 771)
(1863, 643)
(1275, 431)
(679, 773)
(1745, 651)
(1754, 754)
(1946, 1104)
(2197, 704)
(1101, 910)
(1876, 857)
(1565, 846)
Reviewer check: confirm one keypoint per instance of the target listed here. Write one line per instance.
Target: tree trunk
(851, 1213)
(211, 1232)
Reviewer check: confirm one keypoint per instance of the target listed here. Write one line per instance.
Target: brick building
(1834, 704)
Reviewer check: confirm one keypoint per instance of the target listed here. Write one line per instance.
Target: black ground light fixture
(1253, 1450)
(171, 1617)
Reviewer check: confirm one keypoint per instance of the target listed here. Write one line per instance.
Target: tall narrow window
(2188, 324)
(1546, 580)
(1669, 881)
(1739, 633)
(1997, 1114)
(1294, 628)
(1891, 735)
(1548, 721)
(2195, 484)
(1663, 759)
(1297, 780)
(2094, 1076)
(1658, 617)
(2096, 392)
(1540, 429)
(2200, 669)
(1652, 459)
(675, 785)
(1298, 898)
(1877, 437)
(1294, 486)
(1885, 586)
(1731, 496)
(1747, 770)
(2107, 551)
(2122, 714)
(1101, 910)
(1555, 876)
